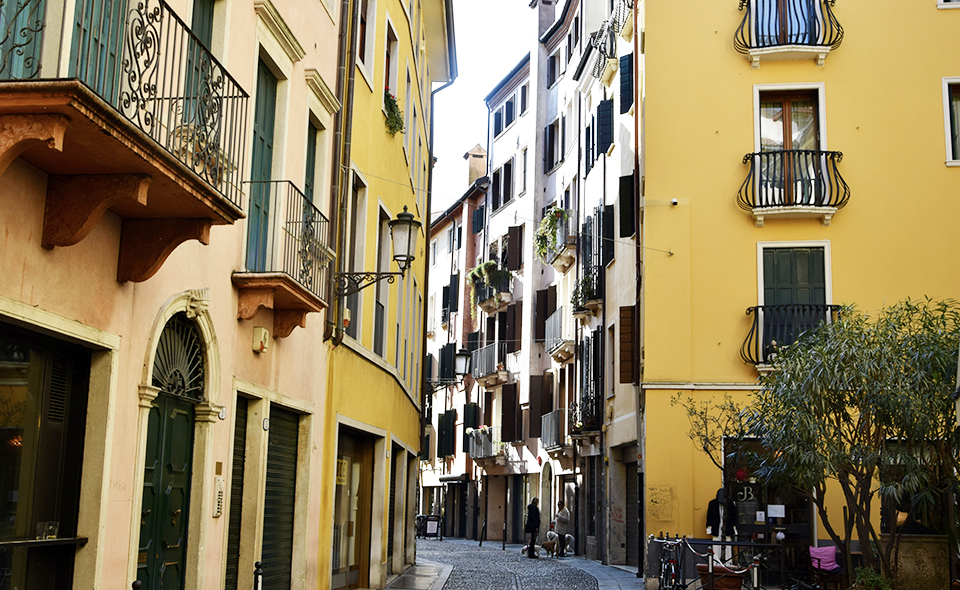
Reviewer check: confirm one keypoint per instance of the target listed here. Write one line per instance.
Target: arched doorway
(179, 373)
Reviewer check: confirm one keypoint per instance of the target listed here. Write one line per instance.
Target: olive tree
(864, 405)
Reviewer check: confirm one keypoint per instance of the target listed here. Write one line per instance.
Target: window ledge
(788, 52)
(794, 212)
(953, 163)
(947, 5)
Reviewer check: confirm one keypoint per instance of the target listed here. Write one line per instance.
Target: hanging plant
(545, 238)
(394, 114)
(584, 291)
(486, 274)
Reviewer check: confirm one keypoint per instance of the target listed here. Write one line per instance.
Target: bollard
(257, 576)
(136, 585)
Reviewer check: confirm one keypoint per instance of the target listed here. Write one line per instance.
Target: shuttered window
(280, 499)
(541, 315)
(508, 416)
(514, 247)
(628, 357)
(454, 292)
(536, 406)
(471, 419)
(447, 366)
(626, 82)
(604, 126)
(627, 208)
(608, 233)
(478, 219)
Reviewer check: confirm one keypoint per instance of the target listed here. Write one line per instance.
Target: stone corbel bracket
(76, 203)
(146, 243)
(18, 133)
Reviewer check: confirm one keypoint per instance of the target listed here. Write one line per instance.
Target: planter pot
(723, 577)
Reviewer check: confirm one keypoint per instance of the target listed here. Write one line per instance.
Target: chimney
(546, 14)
(476, 163)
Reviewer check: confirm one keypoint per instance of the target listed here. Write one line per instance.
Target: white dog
(526, 548)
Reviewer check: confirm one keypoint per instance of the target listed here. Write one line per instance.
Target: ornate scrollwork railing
(778, 23)
(21, 28)
(776, 326)
(154, 70)
(793, 178)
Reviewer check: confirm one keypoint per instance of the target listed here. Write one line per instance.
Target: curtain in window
(955, 120)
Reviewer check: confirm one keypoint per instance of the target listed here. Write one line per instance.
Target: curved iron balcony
(776, 326)
(804, 27)
(794, 179)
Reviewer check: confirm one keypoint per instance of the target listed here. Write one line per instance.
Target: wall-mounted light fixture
(403, 233)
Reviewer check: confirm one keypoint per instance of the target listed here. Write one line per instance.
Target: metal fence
(485, 360)
(793, 178)
(485, 443)
(144, 61)
(554, 428)
(780, 325)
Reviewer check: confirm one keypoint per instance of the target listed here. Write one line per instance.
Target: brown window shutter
(508, 414)
(514, 247)
(627, 351)
(511, 323)
(551, 300)
(536, 405)
(487, 408)
(518, 326)
(541, 313)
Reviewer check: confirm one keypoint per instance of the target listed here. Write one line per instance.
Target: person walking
(533, 526)
(563, 527)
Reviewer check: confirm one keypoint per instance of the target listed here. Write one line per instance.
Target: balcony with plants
(774, 327)
(288, 263)
(127, 111)
(488, 364)
(555, 241)
(485, 446)
(560, 341)
(787, 30)
(587, 297)
(491, 287)
(792, 184)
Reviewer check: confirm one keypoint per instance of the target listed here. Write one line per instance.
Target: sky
(492, 37)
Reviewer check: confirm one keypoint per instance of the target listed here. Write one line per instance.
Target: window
(502, 182)
(552, 145)
(523, 171)
(407, 113)
(787, 23)
(523, 98)
(553, 69)
(390, 57)
(951, 118)
(364, 41)
(382, 291)
(789, 121)
(504, 116)
(948, 4)
(433, 253)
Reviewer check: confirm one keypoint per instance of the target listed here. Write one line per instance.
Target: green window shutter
(536, 405)
(606, 223)
(455, 292)
(604, 126)
(447, 367)
(258, 217)
(793, 275)
(235, 513)
(626, 82)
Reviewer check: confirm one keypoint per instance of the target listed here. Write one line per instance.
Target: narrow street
(455, 564)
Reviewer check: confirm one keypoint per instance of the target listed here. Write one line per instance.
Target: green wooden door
(794, 293)
(234, 522)
(258, 218)
(166, 493)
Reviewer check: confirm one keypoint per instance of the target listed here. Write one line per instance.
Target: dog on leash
(536, 550)
(551, 546)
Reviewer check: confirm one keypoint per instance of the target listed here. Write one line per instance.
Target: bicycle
(671, 562)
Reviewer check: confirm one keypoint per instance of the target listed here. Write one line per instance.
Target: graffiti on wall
(660, 502)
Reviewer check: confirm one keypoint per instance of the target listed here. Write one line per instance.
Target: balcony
(494, 296)
(787, 29)
(488, 362)
(289, 272)
(485, 444)
(564, 255)
(793, 184)
(776, 326)
(129, 115)
(555, 432)
(559, 343)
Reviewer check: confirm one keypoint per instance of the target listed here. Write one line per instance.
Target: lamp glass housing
(403, 233)
(462, 362)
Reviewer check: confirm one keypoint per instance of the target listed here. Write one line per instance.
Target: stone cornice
(270, 16)
(323, 93)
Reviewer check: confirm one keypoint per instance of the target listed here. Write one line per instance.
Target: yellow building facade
(794, 154)
(372, 416)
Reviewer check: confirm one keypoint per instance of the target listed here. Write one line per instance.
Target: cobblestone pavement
(472, 567)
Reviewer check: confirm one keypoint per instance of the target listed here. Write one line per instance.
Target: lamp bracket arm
(349, 283)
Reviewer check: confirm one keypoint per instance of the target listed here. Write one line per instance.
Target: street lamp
(403, 234)
(461, 367)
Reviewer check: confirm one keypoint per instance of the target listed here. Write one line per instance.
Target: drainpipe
(638, 227)
(344, 171)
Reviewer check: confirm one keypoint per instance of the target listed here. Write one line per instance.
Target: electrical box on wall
(261, 339)
(219, 483)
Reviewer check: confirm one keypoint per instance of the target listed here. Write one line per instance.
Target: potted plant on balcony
(394, 114)
(545, 238)
(582, 293)
(487, 273)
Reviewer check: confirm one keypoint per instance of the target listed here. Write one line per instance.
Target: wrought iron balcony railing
(566, 234)
(488, 291)
(146, 63)
(485, 443)
(776, 326)
(779, 23)
(487, 359)
(554, 429)
(793, 178)
(559, 329)
(444, 316)
(301, 238)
